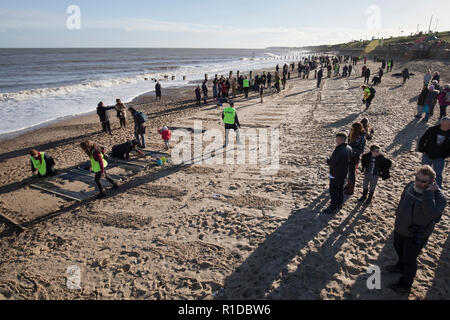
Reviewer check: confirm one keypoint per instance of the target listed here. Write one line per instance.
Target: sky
(211, 23)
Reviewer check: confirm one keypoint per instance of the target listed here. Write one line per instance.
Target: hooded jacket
(340, 160)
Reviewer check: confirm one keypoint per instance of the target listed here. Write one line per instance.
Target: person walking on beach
(277, 82)
(350, 69)
(198, 96)
(139, 126)
(421, 206)
(421, 102)
(405, 75)
(357, 141)
(319, 77)
(261, 92)
(374, 165)
(368, 129)
(103, 114)
(121, 113)
(215, 88)
(246, 85)
(98, 165)
(435, 147)
(444, 100)
(338, 163)
(430, 102)
(43, 163)
(122, 151)
(231, 121)
(158, 91)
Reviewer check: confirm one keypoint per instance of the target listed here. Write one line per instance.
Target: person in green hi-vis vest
(43, 163)
(98, 165)
(246, 85)
(230, 118)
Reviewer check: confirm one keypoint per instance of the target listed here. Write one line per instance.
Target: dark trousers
(337, 192)
(106, 127)
(246, 92)
(408, 250)
(123, 122)
(48, 166)
(352, 170)
(366, 79)
(98, 175)
(319, 80)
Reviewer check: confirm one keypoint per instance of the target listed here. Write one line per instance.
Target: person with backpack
(444, 100)
(421, 206)
(369, 94)
(139, 126)
(98, 164)
(374, 165)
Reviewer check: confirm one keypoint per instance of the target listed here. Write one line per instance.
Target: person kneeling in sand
(43, 163)
(421, 207)
(122, 151)
(374, 166)
(98, 165)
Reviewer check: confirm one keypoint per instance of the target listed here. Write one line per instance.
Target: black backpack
(372, 91)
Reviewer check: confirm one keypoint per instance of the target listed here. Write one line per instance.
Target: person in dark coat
(374, 166)
(198, 96)
(338, 163)
(103, 114)
(421, 207)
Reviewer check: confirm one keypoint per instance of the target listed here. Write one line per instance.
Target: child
(166, 135)
(374, 166)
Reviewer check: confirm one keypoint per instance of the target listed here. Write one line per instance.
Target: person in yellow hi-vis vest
(230, 118)
(43, 163)
(98, 165)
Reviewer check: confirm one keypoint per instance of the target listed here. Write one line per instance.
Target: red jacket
(442, 98)
(166, 135)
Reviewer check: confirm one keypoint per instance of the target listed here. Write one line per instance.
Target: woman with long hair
(357, 141)
(98, 164)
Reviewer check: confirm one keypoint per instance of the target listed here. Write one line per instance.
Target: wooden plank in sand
(55, 192)
(133, 164)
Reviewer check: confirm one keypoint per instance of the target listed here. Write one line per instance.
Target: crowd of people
(422, 202)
